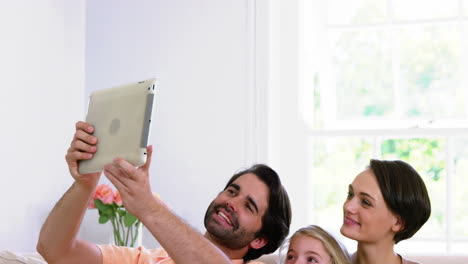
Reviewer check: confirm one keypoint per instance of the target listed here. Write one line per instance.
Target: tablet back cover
(121, 117)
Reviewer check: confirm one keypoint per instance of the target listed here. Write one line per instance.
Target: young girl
(312, 244)
(386, 203)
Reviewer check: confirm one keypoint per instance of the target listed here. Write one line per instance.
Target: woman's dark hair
(277, 219)
(405, 194)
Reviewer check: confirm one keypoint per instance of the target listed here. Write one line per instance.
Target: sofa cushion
(462, 259)
(269, 259)
(8, 257)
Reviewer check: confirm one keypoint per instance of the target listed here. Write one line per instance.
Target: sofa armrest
(9, 257)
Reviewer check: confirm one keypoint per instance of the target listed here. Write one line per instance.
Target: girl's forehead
(306, 240)
(308, 245)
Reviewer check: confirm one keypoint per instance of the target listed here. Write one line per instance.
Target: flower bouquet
(108, 202)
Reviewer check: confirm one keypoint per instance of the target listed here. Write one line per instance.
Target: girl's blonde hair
(338, 253)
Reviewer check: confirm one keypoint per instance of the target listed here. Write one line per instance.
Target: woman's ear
(258, 243)
(398, 225)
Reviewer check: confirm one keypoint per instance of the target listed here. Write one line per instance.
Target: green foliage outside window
(427, 156)
(397, 73)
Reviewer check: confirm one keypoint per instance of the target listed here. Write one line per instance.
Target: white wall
(42, 80)
(202, 53)
(205, 125)
(286, 137)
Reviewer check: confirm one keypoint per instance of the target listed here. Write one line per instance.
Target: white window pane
(460, 198)
(335, 162)
(362, 74)
(465, 7)
(459, 248)
(424, 9)
(427, 157)
(430, 72)
(357, 11)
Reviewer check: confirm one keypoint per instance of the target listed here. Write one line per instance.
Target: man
(249, 218)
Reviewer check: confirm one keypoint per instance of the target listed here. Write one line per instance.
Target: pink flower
(118, 198)
(104, 193)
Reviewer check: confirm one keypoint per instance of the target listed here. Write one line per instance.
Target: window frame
(460, 20)
(334, 128)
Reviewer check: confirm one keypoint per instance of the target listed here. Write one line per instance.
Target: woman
(312, 244)
(386, 203)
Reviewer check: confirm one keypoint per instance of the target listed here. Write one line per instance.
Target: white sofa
(273, 259)
(8, 257)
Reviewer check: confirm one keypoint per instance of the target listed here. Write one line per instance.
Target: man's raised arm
(58, 241)
(183, 243)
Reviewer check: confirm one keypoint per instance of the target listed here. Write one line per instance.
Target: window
(387, 79)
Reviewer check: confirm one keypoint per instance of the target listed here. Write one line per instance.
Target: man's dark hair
(277, 218)
(405, 194)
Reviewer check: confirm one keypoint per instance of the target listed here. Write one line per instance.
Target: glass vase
(125, 234)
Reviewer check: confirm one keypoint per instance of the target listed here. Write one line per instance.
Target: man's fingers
(119, 173)
(126, 167)
(74, 156)
(115, 176)
(82, 146)
(149, 152)
(85, 137)
(80, 125)
(72, 165)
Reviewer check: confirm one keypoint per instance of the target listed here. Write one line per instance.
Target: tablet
(121, 117)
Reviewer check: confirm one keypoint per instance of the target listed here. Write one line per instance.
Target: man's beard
(234, 238)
